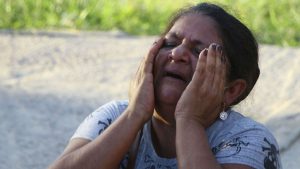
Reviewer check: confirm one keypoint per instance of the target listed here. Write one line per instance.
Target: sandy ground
(49, 81)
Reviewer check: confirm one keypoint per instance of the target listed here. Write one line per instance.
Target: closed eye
(197, 51)
(169, 44)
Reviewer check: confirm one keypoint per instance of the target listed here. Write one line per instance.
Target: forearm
(107, 150)
(193, 150)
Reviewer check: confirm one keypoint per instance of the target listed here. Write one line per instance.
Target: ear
(234, 90)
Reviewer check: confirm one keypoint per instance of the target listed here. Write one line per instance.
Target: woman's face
(176, 61)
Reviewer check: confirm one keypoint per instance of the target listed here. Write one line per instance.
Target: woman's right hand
(141, 93)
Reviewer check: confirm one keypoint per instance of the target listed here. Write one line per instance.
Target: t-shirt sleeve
(252, 145)
(95, 123)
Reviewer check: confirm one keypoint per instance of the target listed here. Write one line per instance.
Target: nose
(180, 54)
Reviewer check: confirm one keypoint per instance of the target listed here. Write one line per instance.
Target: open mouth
(175, 76)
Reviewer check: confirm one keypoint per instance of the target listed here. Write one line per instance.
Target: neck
(163, 137)
(164, 112)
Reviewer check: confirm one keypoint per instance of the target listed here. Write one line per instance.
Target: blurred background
(273, 21)
(62, 59)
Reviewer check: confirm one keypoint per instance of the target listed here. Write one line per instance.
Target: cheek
(162, 53)
(160, 60)
(157, 65)
(194, 62)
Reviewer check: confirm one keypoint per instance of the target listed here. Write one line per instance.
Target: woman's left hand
(202, 99)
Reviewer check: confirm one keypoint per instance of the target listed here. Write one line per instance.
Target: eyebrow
(178, 36)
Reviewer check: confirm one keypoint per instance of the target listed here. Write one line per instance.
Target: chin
(168, 96)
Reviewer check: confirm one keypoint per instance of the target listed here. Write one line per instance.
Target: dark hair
(239, 43)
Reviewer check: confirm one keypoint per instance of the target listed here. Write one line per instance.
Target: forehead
(196, 27)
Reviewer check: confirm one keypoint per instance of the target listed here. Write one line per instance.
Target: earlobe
(234, 90)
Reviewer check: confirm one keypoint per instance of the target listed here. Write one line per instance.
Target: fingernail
(214, 46)
(220, 48)
(205, 51)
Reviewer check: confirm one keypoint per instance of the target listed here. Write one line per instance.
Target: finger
(135, 81)
(220, 76)
(149, 61)
(143, 63)
(210, 67)
(200, 67)
(139, 72)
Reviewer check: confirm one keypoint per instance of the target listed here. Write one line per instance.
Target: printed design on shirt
(237, 143)
(271, 160)
(105, 124)
(151, 164)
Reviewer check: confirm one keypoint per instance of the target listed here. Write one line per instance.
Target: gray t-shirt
(237, 139)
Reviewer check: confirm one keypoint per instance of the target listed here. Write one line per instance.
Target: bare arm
(197, 109)
(107, 150)
(104, 152)
(193, 150)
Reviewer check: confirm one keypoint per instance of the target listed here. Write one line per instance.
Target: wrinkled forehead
(196, 28)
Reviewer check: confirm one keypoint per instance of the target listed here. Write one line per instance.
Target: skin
(179, 108)
(180, 55)
(196, 102)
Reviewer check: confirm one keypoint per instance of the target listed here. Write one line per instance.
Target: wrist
(183, 119)
(137, 116)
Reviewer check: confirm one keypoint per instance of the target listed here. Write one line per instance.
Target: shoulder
(96, 122)
(242, 140)
(112, 106)
(107, 113)
(237, 124)
(111, 109)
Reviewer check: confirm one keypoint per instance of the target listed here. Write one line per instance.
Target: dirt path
(49, 81)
